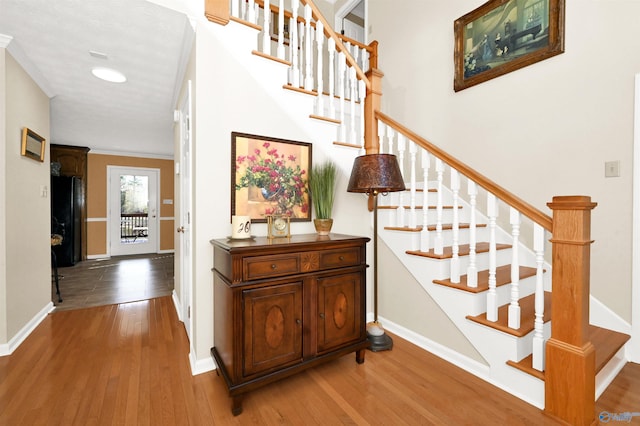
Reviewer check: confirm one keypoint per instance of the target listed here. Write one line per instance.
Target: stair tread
(527, 310)
(463, 250)
(606, 343)
(503, 277)
(445, 227)
(393, 207)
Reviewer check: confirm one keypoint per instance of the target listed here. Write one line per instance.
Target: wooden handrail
(522, 206)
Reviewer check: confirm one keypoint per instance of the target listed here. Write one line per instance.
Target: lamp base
(379, 341)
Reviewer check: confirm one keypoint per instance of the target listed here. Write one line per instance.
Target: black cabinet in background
(66, 202)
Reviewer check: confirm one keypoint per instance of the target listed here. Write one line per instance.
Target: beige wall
(25, 263)
(97, 199)
(541, 131)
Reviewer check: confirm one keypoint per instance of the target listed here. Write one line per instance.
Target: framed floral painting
(269, 177)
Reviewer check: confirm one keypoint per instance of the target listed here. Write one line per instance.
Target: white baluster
(280, 51)
(455, 247)
(382, 131)
(424, 234)
(320, 64)
(538, 335)
(413, 150)
(332, 68)
(301, 54)
(472, 270)
(244, 10)
(353, 83)
(251, 10)
(514, 306)
(294, 76)
(438, 243)
(492, 295)
(391, 134)
(308, 52)
(342, 86)
(402, 146)
(362, 89)
(266, 35)
(235, 8)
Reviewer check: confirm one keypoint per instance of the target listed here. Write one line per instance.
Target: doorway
(133, 210)
(351, 19)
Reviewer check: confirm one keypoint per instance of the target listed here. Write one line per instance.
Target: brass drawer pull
(298, 322)
(341, 258)
(274, 266)
(322, 315)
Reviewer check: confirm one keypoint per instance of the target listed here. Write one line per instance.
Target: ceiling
(52, 39)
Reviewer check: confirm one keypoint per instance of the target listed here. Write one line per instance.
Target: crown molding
(30, 68)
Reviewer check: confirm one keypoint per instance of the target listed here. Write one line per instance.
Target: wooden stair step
(463, 250)
(445, 227)
(606, 343)
(503, 277)
(527, 315)
(417, 207)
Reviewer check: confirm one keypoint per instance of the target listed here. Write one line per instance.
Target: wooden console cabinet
(284, 305)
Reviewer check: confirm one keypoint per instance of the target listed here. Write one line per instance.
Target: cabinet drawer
(270, 266)
(339, 258)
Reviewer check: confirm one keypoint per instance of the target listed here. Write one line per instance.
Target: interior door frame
(634, 344)
(185, 210)
(154, 248)
(348, 7)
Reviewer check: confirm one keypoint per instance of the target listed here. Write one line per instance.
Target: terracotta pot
(323, 226)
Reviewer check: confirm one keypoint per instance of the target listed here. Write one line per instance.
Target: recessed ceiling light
(109, 74)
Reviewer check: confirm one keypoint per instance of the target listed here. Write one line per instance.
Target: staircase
(477, 250)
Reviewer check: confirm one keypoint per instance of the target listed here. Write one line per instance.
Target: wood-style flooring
(127, 364)
(119, 279)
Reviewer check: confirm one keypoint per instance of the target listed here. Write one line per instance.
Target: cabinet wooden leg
(236, 405)
(360, 356)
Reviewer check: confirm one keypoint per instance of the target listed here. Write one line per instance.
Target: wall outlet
(612, 168)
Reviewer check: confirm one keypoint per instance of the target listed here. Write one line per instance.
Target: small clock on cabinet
(278, 226)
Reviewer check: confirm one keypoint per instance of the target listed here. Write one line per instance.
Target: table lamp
(375, 174)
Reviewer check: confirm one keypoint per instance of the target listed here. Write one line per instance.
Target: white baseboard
(177, 304)
(199, 366)
(12, 345)
(472, 366)
(98, 256)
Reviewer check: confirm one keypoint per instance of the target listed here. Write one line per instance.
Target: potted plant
(322, 185)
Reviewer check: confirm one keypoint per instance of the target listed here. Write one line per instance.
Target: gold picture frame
(269, 176)
(33, 145)
(502, 36)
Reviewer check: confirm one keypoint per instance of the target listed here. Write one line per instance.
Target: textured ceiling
(143, 40)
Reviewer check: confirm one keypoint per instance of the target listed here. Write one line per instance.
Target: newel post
(217, 11)
(371, 105)
(570, 356)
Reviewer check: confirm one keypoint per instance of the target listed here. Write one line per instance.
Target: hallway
(120, 279)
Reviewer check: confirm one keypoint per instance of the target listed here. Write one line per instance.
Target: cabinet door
(272, 327)
(339, 310)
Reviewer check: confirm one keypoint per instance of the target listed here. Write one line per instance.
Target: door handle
(181, 229)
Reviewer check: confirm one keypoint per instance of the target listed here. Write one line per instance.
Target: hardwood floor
(128, 364)
(119, 279)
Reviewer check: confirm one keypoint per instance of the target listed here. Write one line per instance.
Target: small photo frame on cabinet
(32, 145)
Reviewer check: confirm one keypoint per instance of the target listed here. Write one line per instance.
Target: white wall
(26, 228)
(541, 131)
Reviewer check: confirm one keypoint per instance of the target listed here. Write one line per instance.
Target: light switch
(612, 168)
(44, 191)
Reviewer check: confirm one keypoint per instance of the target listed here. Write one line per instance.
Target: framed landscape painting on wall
(269, 177)
(505, 35)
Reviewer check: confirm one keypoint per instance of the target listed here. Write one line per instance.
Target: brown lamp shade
(376, 173)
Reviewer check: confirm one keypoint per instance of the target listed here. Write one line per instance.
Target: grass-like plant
(322, 184)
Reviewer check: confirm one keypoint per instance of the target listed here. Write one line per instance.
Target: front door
(133, 210)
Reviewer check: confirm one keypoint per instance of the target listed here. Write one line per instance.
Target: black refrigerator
(66, 199)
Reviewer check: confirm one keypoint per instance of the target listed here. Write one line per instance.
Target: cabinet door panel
(338, 310)
(272, 327)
